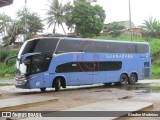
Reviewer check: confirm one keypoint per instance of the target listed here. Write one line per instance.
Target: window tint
(108, 66)
(100, 46)
(38, 63)
(88, 66)
(142, 48)
(40, 45)
(68, 46)
(75, 46)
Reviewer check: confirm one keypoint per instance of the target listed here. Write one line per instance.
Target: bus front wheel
(123, 79)
(57, 84)
(132, 79)
(43, 89)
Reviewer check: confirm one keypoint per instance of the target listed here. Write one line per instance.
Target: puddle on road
(103, 91)
(144, 91)
(138, 88)
(125, 97)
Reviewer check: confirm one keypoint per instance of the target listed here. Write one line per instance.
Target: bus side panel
(36, 81)
(99, 77)
(111, 76)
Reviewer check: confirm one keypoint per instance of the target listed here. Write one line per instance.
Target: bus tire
(123, 79)
(57, 84)
(132, 79)
(107, 84)
(43, 90)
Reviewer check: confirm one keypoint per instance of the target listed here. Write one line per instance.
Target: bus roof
(101, 40)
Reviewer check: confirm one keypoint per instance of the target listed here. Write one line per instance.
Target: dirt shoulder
(73, 97)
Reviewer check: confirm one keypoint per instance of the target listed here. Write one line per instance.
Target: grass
(155, 88)
(155, 71)
(123, 38)
(7, 78)
(8, 71)
(5, 84)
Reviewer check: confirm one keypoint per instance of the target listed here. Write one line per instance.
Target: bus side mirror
(25, 56)
(9, 59)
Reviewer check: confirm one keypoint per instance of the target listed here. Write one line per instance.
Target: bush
(3, 56)
(10, 69)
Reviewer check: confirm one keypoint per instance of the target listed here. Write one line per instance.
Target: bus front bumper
(21, 82)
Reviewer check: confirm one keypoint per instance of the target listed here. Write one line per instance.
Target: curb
(25, 105)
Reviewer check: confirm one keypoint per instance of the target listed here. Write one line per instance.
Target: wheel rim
(132, 79)
(124, 80)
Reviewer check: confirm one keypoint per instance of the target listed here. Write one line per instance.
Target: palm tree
(151, 27)
(115, 29)
(5, 21)
(29, 23)
(55, 14)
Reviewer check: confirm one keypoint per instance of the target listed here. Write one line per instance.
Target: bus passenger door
(46, 63)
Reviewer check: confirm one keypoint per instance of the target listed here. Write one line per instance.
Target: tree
(68, 16)
(8, 29)
(29, 23)
(13, 30)
(55, 14)
(151, 28)
(5, 22)
(99, 17)
(88, 19)
(26, 24)
(115, 29)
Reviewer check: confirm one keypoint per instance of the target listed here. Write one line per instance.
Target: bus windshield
(39, 45)
(36, 63)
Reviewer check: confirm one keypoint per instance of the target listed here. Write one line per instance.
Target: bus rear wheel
(123, 79)
(57, 84)
(132, 79)
(43, 89)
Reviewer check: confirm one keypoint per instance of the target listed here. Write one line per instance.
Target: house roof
(5, 2)
(126, 24)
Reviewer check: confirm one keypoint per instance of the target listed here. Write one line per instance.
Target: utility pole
(25, 7)
(130, 22)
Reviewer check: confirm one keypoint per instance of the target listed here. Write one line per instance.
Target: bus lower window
(88, 66)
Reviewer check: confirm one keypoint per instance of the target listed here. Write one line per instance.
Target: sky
(116, 10)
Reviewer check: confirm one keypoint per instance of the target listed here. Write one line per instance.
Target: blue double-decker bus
(60, 62)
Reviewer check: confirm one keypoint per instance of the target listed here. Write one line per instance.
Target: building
(135, 30)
